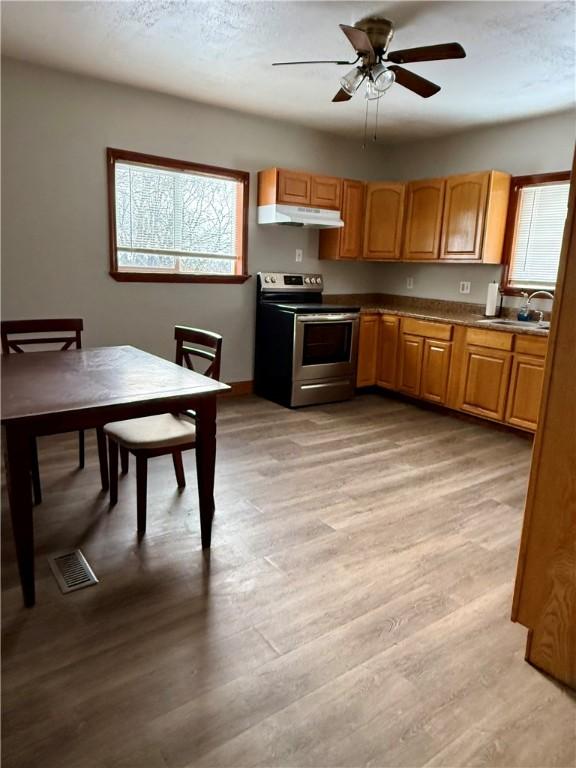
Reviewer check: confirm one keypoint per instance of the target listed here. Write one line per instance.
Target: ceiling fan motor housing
(379, 30)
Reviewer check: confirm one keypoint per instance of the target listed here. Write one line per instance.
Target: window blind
(175, 220)
(540, 223)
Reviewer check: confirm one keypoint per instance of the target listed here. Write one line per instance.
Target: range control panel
(289, 282)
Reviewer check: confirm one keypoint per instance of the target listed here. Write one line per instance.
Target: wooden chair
(164, 434)
(69, 336)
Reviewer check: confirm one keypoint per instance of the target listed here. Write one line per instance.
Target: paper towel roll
(492, 300)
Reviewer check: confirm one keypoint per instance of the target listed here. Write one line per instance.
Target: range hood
(299, 216)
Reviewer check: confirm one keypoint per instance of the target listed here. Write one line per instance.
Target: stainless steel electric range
(305, 350)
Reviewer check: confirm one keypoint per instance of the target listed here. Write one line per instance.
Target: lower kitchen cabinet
(367, 351)
(410, 364)
(525, 391)
(497, 375)
(435, 370)
(485, 377)
(387, 351)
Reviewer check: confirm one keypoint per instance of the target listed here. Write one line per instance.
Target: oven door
(325, 345)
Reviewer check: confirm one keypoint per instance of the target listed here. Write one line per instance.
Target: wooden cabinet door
(387, 351)
(424, 205)
(348, 241)
(484, 382)
(435, 370)
(410, 364)
(525, 391)
(384, 218)
(464, 213)
(325, 192)
(293, 187)
(352, 234)
(367, 351)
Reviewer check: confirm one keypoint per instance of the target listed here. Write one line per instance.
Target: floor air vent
(71, 570)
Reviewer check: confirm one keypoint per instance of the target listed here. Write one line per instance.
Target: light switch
(410, 282)
(298, 254)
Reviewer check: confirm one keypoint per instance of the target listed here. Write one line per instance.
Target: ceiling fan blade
(342, 96)
(359, 40)
(322, 61)
(413, 82)
(428, 53)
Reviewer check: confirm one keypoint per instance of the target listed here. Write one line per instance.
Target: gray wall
(55, 130)
(540, 145)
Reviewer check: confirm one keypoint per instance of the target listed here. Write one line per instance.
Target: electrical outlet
(298, 254)
(465, 286)
(410, 282)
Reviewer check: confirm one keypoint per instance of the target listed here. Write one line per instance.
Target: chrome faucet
(539, 293)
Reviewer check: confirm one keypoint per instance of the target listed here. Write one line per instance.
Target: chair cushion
(163, 431)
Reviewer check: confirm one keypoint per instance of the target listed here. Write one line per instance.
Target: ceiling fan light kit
(382, 78)
(352, 81)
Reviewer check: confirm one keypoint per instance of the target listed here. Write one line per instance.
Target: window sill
(508, 291)
(159, 277)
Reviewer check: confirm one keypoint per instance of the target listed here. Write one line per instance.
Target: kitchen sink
(544, 325)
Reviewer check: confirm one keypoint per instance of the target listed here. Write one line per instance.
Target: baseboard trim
(239, 388)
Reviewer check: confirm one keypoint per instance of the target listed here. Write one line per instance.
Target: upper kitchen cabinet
(325, 192)
(277, 185)
(474, 218)
(424, 204)
(346, 242)
(384, 219)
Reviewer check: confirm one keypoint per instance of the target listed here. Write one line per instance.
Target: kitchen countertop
(454, 312)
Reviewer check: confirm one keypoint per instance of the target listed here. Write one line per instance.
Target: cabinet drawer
(440, 331)
(480, 337)
(531, 345)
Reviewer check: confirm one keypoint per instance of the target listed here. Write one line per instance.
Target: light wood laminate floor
(354, 610)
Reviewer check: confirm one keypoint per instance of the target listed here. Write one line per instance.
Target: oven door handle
(327, 318)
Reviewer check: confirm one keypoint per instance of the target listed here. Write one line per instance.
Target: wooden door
(525, 391)
(410, 364)
(463, 219)
(424, 205)
(435, 370)
(367, 351)
(293, 188)
(325, 192)
(485, 381)
(387, 351)
(384, 218)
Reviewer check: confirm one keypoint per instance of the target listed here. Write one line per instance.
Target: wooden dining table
(46, 393)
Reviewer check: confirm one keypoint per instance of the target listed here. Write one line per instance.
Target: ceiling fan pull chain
(375, 137)
(365, 125)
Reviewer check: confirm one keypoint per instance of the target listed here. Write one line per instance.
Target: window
(538, 208)
(174, 221)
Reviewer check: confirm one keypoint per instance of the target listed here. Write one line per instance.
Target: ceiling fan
(370, 38)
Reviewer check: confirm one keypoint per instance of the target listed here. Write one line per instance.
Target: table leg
(18, 463)
(205, 464)
(102, 458)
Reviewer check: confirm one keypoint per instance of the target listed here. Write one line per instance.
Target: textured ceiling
(520, 56)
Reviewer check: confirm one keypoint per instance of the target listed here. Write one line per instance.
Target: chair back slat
(9, 328)
(212, 349)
